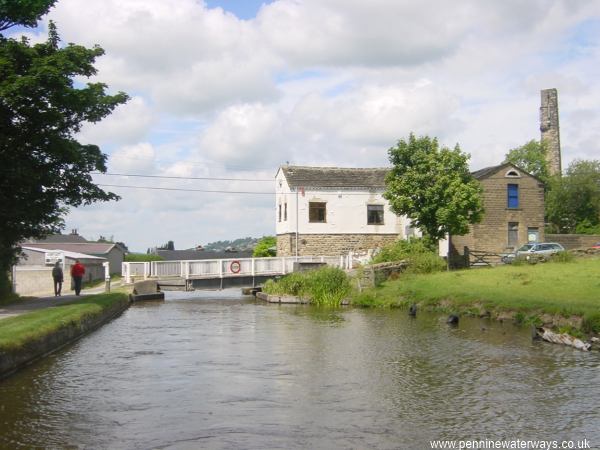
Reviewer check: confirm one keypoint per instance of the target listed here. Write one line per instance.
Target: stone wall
(330, 244)
(35, 281)
(571, 241)
(491, 234)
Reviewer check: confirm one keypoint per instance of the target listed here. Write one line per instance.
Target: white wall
(346, 211)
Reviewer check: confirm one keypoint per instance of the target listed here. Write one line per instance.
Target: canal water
(220, 371)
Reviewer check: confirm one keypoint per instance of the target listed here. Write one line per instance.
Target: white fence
(222, 268)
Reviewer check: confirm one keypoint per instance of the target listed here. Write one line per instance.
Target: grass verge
(563, 289)
(16, 332)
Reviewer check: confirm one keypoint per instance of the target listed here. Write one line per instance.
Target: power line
(181, 178)
(197, 163)
(186, 190)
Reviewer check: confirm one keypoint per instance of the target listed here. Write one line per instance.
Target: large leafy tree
(43, 168)
(22, 12)
(433, 186)
(573, 200)
(265, 247)
(531, 157)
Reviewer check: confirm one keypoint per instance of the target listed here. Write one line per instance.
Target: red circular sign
(235, 267)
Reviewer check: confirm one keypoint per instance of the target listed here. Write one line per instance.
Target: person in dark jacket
(57, 276)
(77, 272)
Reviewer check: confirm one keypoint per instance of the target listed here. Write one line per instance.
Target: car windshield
(525, 248)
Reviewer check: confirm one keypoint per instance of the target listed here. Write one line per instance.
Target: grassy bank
(527, 292)
(17, 332)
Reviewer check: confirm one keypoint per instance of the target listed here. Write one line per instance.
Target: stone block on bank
(146, 290)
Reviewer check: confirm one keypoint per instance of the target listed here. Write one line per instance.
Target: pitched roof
(335, 177)
(61, 238)
(487, 171)
(175, 255)
(90, 248)
(71, 255)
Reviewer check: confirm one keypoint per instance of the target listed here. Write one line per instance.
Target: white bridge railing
(222, 268)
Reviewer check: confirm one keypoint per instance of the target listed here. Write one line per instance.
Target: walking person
(77, 271)
(57, 276)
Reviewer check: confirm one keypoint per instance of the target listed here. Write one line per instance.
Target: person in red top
(77, 271)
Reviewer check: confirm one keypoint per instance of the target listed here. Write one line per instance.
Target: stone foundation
(330, 244)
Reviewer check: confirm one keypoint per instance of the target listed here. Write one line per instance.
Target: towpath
(33, 304)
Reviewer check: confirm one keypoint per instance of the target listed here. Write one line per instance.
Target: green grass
(16, 332)
(327, 286)
(563, 288)
(101, 282)
(142, 257)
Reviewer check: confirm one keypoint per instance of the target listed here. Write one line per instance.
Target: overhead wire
(172, 177)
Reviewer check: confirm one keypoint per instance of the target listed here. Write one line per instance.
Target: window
(513, 234)
(316, 212)
(279, 212)
(513, 195)
(374, 214)
(285, 212)
(533, 234)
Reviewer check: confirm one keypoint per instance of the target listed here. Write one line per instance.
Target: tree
(43, 169)
(265, 247)
(573, 201)
(170, 245)
(531, 157)
(433, 187)
(22, 12)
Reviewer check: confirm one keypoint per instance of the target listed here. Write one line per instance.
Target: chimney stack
(550, 130)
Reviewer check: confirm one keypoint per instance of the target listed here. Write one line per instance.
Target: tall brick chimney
(550, 129)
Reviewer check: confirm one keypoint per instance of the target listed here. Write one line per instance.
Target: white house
(333, 210)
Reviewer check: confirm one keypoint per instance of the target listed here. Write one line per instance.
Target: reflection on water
(220, 371)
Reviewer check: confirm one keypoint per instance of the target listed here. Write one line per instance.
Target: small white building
(333, 210)
(33, 273)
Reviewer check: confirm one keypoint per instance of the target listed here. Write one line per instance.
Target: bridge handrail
(223, 267)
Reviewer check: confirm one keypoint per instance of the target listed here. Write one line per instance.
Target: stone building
(514, 213)
(332, 210)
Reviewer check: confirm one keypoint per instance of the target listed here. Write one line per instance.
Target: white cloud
(136, 159)
(242, 133)
(318, 82)
(128, 124)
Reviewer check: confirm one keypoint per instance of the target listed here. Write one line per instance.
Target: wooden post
(467, 257)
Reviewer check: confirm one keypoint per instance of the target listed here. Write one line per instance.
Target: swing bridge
(187, 275)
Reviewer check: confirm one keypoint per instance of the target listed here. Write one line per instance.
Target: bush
(142, 257)
(422, 258)
(326, 286)
(562, 257)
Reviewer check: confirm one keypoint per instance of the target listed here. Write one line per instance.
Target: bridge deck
(214, 269)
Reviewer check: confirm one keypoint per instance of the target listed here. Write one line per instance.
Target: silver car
(541, 250)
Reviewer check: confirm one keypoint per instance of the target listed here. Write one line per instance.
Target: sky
(226, 91)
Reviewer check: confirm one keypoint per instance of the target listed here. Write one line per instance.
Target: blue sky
(244, 9)
(218, 91)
